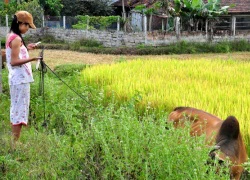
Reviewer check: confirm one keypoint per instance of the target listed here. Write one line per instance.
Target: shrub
(223, 47)
(2, 43)
(93, 22)
(89, 43)
(68, 69)
(182, 47)
(51, 39)
(241, 45)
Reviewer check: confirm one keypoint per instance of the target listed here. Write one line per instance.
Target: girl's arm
(15, 46)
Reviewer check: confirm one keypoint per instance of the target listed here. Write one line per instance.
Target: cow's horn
(216, 147)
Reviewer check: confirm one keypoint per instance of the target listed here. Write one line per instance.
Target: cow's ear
(227, 137)
(230, 129)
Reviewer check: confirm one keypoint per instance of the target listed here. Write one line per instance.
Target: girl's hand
(36, 58)
(31, 46)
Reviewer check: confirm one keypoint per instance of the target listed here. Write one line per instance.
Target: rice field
(218, 86)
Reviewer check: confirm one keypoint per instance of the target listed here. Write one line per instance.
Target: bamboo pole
(1, 62)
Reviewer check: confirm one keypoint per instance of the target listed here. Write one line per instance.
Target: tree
(31, 6)
(51, 7)
(197, 10)
(86, 7)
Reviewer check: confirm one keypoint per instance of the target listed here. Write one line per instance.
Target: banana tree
(210, 13)
(197, 10)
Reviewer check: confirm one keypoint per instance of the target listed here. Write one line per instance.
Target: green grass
(95, 138)
(92, 140)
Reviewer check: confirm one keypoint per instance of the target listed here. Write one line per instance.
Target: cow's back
(201, 122)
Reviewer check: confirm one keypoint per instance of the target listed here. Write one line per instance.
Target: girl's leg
(16, 131)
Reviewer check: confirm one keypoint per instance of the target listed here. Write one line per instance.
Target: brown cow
(225, 135)
(3, 57)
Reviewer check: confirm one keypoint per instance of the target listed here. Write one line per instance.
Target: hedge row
(175, 48)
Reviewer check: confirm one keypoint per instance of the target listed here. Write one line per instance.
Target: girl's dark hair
(15, 28)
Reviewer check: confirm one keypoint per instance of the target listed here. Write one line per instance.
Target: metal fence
(243, 22)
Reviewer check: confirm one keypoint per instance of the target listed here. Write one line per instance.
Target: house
(136, 17)
(241, 6)
(238, 17)
(131, 4)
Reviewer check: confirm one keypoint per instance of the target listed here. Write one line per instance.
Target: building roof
(133, 3)
(241, 6)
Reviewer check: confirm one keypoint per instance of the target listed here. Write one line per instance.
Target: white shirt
(18, 74)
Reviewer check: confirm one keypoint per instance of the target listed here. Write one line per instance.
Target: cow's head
(229, 146)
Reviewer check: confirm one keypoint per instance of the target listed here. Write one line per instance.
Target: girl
(20, 73)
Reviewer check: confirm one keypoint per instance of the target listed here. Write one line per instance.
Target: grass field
(93, 139)
(216, 86)
(217, 83)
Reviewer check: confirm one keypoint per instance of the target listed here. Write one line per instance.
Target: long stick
(1, 62)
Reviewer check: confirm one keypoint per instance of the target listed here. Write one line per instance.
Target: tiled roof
(241, 6)
(133, 3)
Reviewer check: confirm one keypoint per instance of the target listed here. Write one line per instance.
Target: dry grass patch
(59, 57)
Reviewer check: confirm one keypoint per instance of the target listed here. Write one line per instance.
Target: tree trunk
(166, 24)
(206, 28)
(197, 25)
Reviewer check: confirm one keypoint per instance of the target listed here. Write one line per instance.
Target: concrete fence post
(1, 62)
(233, 25)
(117, 31)
(7, 22)
(162, 24)
(87, 28)
(177, 27)
(64, 22)
(43, 21)
(206, 28)
(118, 23)
(145, 28)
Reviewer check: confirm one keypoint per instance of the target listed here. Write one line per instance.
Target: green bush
(68, 69)
(2, 43)
(93, 22)
(182, 47)
(89, 43)
(241, 45)
(51, 39)
(223, 47)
